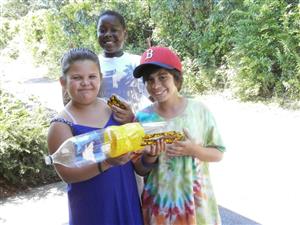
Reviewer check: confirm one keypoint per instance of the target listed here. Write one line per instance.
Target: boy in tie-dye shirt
(177, 187)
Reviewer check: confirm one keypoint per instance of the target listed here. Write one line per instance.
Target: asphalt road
(47, 205)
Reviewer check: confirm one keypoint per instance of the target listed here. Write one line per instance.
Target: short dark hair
(78, 54)
(113, 13)
(176, 74)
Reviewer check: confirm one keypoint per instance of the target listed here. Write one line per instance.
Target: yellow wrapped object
(124, 139)
(109, 142)
(169, 137)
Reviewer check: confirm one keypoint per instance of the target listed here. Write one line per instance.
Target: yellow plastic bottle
(124, 139)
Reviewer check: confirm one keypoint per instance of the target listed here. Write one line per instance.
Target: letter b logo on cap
(149, 54)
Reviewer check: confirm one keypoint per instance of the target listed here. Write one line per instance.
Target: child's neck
(95, 114)
(171, 108)
(113, 54)
(82, 108)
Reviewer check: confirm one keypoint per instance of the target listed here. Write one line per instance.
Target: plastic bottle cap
(48, 160)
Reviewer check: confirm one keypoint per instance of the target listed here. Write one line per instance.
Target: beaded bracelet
(99, 167)
(149, 165)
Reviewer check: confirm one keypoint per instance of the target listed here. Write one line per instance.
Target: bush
(194, 80)
(8, 30)
(49, 33)
(258, 40)
(266, 41)
(139, 24)
(23, 143)
(197, 31)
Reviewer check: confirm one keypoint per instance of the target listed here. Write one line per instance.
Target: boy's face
(161, 85)
(111, 35)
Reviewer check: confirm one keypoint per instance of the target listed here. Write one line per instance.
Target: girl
(177, 188)
(103, 193)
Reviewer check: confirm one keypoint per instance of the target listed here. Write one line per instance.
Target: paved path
(47, 205)
(258, 177)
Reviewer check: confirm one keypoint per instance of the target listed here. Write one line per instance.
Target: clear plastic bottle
(98, 145)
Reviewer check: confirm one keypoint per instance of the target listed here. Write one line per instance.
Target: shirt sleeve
(213, 136)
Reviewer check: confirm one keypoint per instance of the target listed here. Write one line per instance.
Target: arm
(206, 154)
(148, 160)
(190, 148)
(58, 133)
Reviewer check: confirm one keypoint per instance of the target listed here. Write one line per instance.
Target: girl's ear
(63, 81)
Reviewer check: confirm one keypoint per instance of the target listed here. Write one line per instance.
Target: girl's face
(161, 85)
(82, 81)
(111, 35)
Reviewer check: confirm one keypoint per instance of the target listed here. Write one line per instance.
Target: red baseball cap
(159, 56)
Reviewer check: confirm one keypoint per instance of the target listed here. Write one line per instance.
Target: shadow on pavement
(37, 194)
(231, 218)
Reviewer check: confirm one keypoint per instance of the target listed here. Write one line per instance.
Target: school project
(110, 142)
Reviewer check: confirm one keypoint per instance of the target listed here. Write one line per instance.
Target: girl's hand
(152, 152)
(123, 115)
(188, 147)
(149, 158)
(156, 149)
(119, 160)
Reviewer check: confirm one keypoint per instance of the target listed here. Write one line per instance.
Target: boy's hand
(183, 148)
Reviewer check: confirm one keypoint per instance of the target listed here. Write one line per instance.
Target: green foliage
(215, 42)
(78, 22)
(195, 29)
(258, 40)
(139, 26)
(8, 29)
(266, 50)
(34, 29)
(23, 143)
(49, 33)
(14, 9)
(249, 46)
(194, 80)
(179, 23)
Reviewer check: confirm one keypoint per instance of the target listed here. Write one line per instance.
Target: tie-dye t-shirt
(179, 190)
